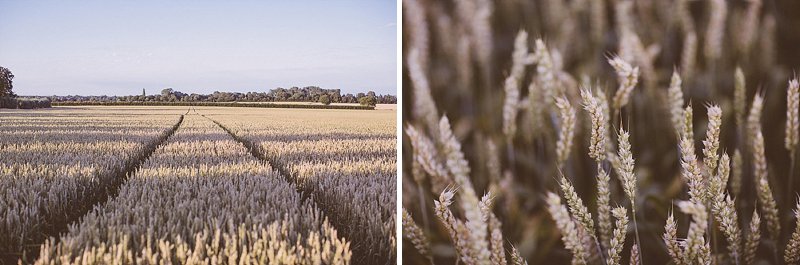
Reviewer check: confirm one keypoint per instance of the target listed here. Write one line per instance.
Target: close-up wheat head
(601, 132)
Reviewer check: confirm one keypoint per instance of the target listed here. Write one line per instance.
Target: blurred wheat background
(527, 100)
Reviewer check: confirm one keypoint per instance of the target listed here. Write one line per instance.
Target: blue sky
(120, 47)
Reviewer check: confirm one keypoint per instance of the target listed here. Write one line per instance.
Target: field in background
(181, 184)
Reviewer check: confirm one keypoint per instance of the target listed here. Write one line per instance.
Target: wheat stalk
(792, 121)
(569, 232)
(736, 176)
(597, 148)
(765, 198)
(627, 76)
(415, 234)
(495, 227)
(567, 131)
(715, 29)
(426, 155)
(753, 239)
(459, 168)
(696, 247)
(604, 207)
(725, 213)
(739, 98)
(576, 206)
(748, 26)
(792, 253)
(675, 94)
(711, 143)
(516, 258)
(424, 106)
(688, 127)
(626, 164)
(691, 172)
(671, 240)
(617, 242)
(512, 84)
(454, 227)
(636, 255)
(689, 53)
(754, 118)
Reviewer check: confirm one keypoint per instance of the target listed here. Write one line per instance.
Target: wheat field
(600, 132)
(178, 185)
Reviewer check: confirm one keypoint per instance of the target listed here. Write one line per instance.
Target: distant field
(301, 105)
(379, 106)
(153, 184)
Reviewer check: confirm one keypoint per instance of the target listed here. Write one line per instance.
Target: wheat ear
(711, 143)
(598, 145)
(424, 106)
(739, 98)
(792, 121)
(671, 240)
(675, 94)
(513, 82)
(715, 29)
(459, 168)
(792, 254)
(416, 236)
(763, 191)
(576, 206)
(691, 172)
(567, 131)
(604, 207)
(569, 232)
(696, 247)
(792, 126)
(753, 239)
(516, 258)
(627, 76)
(618, 241)
(453, 225)
(498, 255)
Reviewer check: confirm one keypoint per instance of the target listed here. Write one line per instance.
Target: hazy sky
(120, 47)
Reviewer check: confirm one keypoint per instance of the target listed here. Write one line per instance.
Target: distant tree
(325, 100)
(6, 85)
(367, 101)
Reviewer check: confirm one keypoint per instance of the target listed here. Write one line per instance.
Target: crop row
(346, 163)
(50, 177)
(202, 199)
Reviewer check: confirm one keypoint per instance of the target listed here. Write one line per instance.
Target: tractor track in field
(290, 178)
(109, 189)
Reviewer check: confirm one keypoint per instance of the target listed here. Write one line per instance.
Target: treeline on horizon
(294, 94)
(8, 99)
